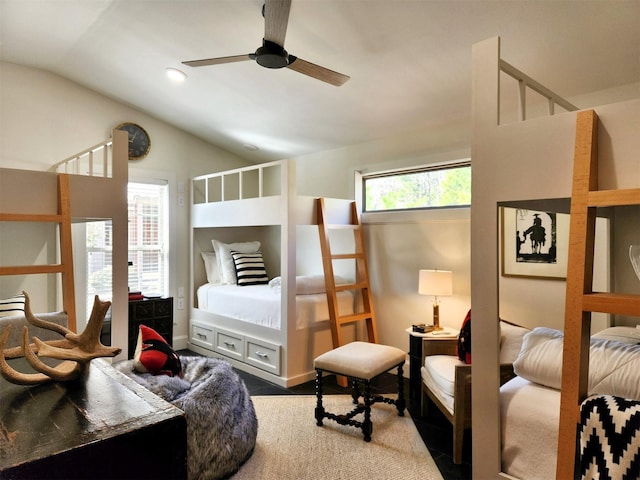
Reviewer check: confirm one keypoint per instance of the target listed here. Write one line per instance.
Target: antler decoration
(76, 350)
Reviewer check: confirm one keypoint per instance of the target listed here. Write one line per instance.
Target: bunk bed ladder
(65, 267)
(361, 284)
(580, 299)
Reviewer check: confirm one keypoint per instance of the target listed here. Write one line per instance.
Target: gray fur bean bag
(221, 421)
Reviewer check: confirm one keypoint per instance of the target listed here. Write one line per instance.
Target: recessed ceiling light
(176, 75)
(250, 147)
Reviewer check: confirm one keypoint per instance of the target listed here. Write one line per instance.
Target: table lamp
(438, 283)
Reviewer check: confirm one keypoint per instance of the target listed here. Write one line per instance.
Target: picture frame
(534, 243)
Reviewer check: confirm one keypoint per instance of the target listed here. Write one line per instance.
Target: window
(429, 187)
(148, 231)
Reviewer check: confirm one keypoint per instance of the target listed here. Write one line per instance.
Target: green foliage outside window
(442, 187)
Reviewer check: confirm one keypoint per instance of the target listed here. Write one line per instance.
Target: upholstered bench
(360, 362)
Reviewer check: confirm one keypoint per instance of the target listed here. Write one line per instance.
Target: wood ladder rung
(341, 226)
(616, 303)
(31, 217)
(351, 286)
(613, 198)
(356, 317)
(31, 269)
(347, 256)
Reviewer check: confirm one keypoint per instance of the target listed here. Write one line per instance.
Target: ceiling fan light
(175, 75)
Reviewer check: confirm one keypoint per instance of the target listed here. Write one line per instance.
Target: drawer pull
(201, 335)
(230, 344)
(261, 354)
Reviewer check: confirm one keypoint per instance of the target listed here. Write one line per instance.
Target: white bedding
(614, 367)
(260, 304)
(530, 402)
(529, 418)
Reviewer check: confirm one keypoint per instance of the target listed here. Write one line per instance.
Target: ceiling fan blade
(276, 18)
(316, 71)
(216, 61)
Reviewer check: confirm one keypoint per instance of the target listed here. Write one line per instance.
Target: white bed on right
(530, 402)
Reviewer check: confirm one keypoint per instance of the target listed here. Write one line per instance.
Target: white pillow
(211, 267)
(510, 341)
(225, 260)
(620, 334)
(12, 306)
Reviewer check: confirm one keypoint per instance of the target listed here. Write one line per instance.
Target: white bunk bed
(516, 164)
(273, 330)
(97, 179)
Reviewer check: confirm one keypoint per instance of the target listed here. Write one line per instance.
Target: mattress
(529, 421)
(261, 304)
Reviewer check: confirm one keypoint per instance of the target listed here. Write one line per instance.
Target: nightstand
(156, 313)
(443, 342)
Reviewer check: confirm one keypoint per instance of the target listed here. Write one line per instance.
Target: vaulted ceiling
(409, 61)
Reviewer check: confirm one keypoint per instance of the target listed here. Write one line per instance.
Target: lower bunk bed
(530, 407)
(258, 288)
(245, 323)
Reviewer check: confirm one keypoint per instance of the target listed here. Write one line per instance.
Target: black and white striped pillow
(250, 268)
(12, 306)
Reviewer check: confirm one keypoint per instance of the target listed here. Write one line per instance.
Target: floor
(434, 428)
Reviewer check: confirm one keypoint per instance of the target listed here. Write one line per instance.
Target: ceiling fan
(272, 53)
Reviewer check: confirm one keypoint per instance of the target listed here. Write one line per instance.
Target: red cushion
(154, 355)
(464, 339)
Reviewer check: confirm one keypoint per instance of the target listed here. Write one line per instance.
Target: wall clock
(139, 142)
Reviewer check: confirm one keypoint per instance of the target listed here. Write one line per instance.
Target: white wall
(45, 118)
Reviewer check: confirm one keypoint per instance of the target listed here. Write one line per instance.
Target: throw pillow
(12, 306)
(225, 261)
(250, 269)
(154, 355)
(464, 339)
(211, 267)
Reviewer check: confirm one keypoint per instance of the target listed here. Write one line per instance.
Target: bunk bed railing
(256, 181)
(525, 82)
(95, 161)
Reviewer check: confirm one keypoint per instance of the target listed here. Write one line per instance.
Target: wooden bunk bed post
(66, 252)
(577, 322)
(362, 276)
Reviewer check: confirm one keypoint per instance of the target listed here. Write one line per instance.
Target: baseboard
(180, 343)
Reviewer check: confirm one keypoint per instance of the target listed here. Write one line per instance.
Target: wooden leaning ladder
(580, 300)
(361, 281)
(65, 267)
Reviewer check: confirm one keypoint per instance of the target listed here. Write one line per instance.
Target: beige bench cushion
(360, 359)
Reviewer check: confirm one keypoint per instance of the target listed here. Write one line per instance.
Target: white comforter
(261, 304)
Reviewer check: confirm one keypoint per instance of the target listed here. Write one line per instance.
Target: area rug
(291, 446)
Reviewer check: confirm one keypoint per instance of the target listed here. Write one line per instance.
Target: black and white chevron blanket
(609, 438)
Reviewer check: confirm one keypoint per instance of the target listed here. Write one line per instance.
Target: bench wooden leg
(401, 403)
(319, 411)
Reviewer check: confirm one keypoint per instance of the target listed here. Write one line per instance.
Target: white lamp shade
(438, 283)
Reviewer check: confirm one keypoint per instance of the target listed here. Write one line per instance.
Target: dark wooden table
(102, 426)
